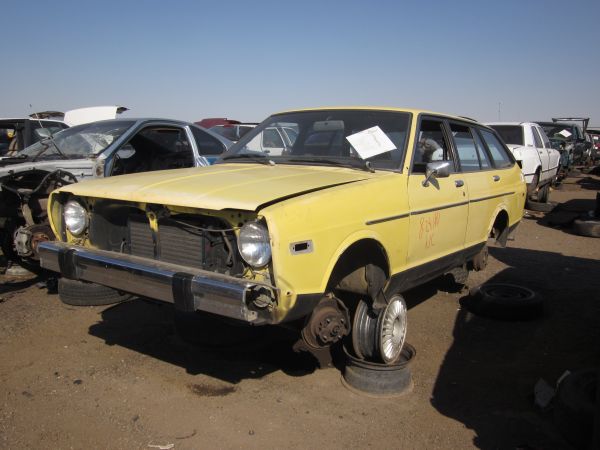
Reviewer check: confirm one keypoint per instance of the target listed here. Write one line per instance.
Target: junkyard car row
(317, 219)
(325, 236)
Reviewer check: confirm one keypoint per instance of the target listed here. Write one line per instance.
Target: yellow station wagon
(324, 235)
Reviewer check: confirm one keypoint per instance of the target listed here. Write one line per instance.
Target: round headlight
(76, 218)
(254, 244)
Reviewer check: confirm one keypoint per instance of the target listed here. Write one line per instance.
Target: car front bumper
(190, 289)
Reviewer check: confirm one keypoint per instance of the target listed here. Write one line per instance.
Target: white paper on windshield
(371, 142)
(565, 133)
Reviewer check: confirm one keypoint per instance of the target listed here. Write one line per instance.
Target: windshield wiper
(44, 144)
(257, 157)
(362, 164)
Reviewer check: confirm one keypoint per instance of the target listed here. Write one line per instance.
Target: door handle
(459, 183)
(496, 177)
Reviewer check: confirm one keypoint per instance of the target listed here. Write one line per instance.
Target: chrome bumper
(188, 288)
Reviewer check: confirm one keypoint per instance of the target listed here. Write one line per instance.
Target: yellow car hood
(222, 186)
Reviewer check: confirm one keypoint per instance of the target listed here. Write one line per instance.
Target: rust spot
(204, 390)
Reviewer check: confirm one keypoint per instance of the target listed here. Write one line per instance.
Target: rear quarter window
(496, 150)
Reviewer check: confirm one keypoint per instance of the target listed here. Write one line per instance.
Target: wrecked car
(16, 134)
(92, 150)
(366, 203)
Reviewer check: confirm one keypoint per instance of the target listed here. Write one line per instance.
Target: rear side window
(511, 134)
(497, 152)
(207, 144)
(465, 147)
(545, 139)
(537, 138)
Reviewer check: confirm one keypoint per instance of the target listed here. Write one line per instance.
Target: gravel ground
(119, 377)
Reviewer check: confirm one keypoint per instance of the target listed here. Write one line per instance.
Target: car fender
(345, 245)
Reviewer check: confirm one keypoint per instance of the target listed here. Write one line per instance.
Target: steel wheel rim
(363, 331)
(392, 330)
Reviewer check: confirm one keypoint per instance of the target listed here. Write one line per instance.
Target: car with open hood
(91, 150)
(324, 237)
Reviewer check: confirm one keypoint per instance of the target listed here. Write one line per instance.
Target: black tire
(531, 187)
(505, 302)
(539, 206)
(589, 228)
(82, 293)
(575, 405)
(544, 193)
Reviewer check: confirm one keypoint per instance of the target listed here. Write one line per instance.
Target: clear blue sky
(246, 59)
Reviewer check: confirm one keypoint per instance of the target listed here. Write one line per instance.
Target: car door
(438, 209)
(478, 173)
(542, 153)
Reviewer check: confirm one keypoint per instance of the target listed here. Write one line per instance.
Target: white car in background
(532, 149)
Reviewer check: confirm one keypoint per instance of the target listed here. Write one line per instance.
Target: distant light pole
(499, 105)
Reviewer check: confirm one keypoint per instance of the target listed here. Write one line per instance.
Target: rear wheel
(380, 335)
(544, 193)
(531, 187)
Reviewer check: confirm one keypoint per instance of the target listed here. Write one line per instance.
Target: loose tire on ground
(589, 227)
(539, 206)
(574, 406)
(504, 301)
(81, 293)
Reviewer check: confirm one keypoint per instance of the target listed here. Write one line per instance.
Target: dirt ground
(119, 377)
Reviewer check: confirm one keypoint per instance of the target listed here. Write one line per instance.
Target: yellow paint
(331, 217)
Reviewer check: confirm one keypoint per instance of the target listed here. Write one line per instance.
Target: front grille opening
(194, 241)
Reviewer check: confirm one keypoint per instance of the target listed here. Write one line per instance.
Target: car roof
(510, 123)
(384, 108)
(30, 119)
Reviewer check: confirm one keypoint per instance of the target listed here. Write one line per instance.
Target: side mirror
(438, 169)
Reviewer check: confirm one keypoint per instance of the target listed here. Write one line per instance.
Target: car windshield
(350, 138)
(510, 134)
(80, 141)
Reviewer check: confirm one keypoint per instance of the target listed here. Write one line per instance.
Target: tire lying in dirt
(587, 227)
(505, 302)
(82, 293)
(539, 206)
(209, 330)
(379, 380)
(575, 405)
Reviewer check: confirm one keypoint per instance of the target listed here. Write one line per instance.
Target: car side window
(536, 137)
(545, 139)
(497, 152)
(465, 147)
(431, 145)
(272, 139)
(207, 144)
(484, 158)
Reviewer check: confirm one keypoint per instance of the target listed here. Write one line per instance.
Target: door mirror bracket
(438, 169)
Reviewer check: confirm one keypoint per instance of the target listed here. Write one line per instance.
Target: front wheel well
(363, 268)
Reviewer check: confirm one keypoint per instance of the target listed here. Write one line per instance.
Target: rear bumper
(188, 288)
